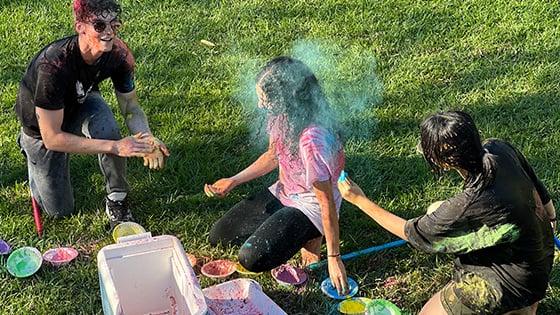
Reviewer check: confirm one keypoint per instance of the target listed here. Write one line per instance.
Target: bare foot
(311, 251)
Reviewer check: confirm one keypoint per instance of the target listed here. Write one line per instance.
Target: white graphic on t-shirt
(80, 93)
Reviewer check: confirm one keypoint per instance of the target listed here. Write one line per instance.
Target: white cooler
(142, 274)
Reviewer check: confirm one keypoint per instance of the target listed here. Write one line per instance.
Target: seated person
(303, 204)
(497, 226)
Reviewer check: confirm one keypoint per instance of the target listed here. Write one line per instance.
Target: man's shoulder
(121, 51)
(56, 55)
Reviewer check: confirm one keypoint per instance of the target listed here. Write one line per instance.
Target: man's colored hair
(86, 9)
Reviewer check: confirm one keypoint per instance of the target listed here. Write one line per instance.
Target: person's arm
(543, 194)
(354, 194)
(337, 273)
(265, 164)
(134, 116)
(50, 124)
(137, 122)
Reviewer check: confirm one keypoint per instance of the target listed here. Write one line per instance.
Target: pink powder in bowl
(218, 268)
(60, 256)
(289, 275)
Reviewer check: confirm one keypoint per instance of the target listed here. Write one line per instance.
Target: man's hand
(337, 274)
(350, 191)
(156, 158)
(221, 188)
(132, 146)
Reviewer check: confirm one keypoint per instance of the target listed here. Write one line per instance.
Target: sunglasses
(99, 25)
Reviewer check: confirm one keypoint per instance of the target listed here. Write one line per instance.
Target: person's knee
(107, 130)
(433, 306)
(253, 259)
(248, 258)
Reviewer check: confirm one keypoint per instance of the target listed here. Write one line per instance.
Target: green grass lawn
(385, 65)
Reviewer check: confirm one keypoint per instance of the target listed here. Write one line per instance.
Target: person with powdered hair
(61, 111)
(304, 145)
(498, 227)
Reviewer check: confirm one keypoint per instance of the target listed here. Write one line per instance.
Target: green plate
(24, 262)
(382, 307)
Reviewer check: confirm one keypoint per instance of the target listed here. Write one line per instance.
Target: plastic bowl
(126, 229)
(5, 248)
(218, 268)
(288, 275)
(60, 256)
(352, 306)
(192, 259)
(329, 290)
(382, 307)
(24, 262)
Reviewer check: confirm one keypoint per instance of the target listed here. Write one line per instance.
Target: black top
(59, 78)
(496, 232)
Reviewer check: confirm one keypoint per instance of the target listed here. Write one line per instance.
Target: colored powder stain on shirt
(477, 293)
(483, 238)
(320, 157)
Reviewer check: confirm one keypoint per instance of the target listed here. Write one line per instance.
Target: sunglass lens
(99, 26)
(116, 26)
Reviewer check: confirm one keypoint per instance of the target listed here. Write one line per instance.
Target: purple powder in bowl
(4, 248)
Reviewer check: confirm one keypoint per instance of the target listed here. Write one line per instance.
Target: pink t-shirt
(320, 158)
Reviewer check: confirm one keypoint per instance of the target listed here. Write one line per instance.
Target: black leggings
(270, 232)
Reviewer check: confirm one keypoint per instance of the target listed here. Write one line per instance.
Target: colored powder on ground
(477, 292)
(483, 238)
(352, 307)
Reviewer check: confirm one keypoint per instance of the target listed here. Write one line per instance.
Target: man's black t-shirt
(503, 242)
(59, 78)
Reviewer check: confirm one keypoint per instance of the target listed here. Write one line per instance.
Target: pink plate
(60, 256)
(288, 275)
(218, 268)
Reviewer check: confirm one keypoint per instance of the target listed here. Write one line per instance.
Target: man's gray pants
(49, 173)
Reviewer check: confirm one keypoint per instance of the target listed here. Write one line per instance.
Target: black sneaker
(117, 211)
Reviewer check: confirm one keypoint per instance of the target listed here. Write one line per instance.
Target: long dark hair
(451, 140)
(296, 96)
